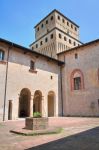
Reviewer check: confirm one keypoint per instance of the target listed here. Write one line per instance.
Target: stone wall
(19, 77)
(84, 102)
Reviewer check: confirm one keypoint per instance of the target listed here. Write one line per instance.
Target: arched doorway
(37, 102)
(51, 104)
(24, 103)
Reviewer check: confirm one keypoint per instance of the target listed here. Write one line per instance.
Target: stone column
(31, 106)
(43, 107)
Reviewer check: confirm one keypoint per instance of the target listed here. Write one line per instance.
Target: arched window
(77, 80)
(1, 55)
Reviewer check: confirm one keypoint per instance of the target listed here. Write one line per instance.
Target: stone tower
(54, 34)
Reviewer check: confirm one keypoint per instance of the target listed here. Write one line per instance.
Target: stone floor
(79, 134)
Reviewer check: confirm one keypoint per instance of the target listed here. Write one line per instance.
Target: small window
(32, 65)
(58, 17)
(77, 83)
(51, 36)
(76, 56)
(70, 41)
(75, 29)
(64, 38)
(71, 26)
(68, 23)
(51, 17)
(60, 36)
(36, 45)
(32, 48)
(46, 39)
(1, 55)
(38, 29)
(46, 21)
(42, 25)
(63, 20)
(51, 77)
(74, 43)
(41, 43)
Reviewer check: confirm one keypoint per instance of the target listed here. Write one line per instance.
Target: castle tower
(54, 34)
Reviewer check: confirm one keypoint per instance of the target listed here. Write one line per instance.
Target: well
(36, 123)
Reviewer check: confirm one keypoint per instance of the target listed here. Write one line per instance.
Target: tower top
(55, 10)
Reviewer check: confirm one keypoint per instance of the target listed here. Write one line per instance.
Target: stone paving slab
(79, 134)
(25, 132)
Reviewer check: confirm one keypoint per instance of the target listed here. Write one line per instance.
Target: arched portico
(24, 103)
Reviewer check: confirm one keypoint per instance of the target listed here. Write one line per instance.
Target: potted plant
(37, 115)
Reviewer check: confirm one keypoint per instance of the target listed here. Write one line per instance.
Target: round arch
(37, 101)
(77, 73)
(24, 103)
(51, 104)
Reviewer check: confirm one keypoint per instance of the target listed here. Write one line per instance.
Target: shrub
(36, 114)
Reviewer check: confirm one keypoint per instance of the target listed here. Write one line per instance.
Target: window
(1, 55)
(77, 80)
(41, 43)
(46, 39)
(63, 20)
(51, 77)
(51, 17)
(74, 43)
(36, 45)
(42, 25)
(68, 23)
(46, 21)
(38, 29)
(60, 36)
(75, 29)
(32, 48)
(77, 83)
(64, 38)
(70, 41)
(76, 56)
(32, 65)
(71, 26)
(58, 17)
(51, 36)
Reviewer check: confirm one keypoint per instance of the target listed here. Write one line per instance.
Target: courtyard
(78, 134)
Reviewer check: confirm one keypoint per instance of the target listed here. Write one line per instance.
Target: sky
(18, 18)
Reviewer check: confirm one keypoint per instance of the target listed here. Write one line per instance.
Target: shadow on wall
(87, 140)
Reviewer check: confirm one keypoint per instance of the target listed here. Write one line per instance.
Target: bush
(36, 114)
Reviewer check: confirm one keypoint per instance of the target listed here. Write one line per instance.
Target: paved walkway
(78, 134)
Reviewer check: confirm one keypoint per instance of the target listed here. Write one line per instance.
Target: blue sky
(18, 17)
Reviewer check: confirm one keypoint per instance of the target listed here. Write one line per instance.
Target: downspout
(61, 89)
(6, 78)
